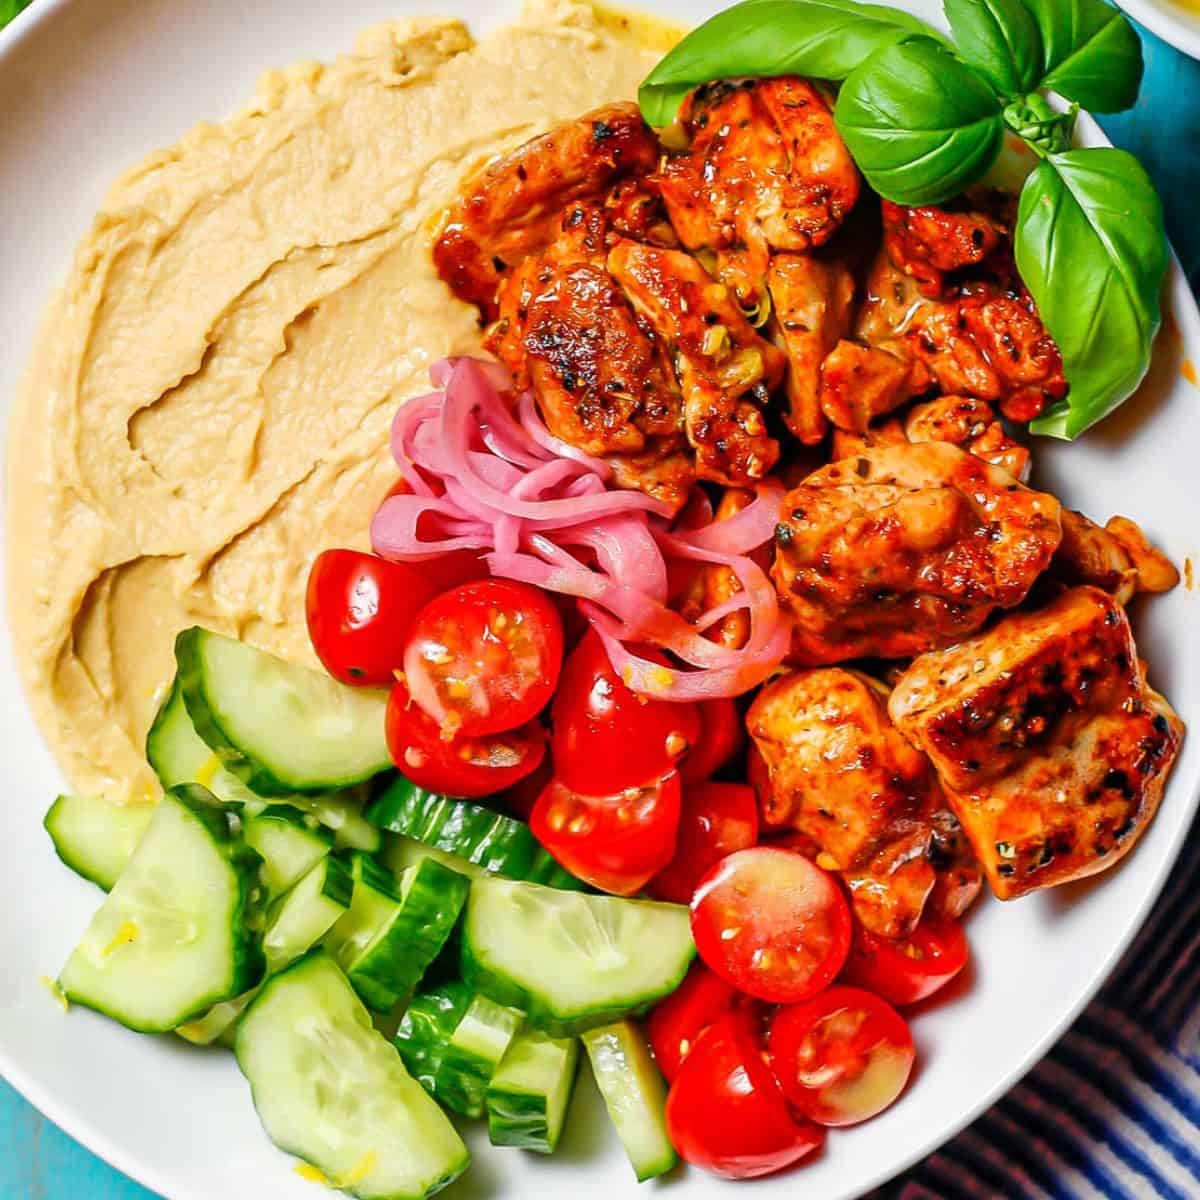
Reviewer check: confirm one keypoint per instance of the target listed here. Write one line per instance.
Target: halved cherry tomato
(721, 736)
(616, 842)
(772, 923)
(717, 819)
(523, 795)
(908, 969)
(606, 737)
(841, 1057)
(676, 1024)
(725, 1111)
(484, 657)
(360, 609)
(460, 766)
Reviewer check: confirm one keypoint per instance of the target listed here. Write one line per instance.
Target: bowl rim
(1167, 21)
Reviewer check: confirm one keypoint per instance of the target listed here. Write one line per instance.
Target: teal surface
(38, 1162)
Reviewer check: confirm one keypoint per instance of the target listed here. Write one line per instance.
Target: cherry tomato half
(615, 843)
(725, 1112)
(460, 766)
(360, 609)
(841, 1057)
(677, 1022)
(485, 656)
(772, 923)
(721, 736)
(908, 969)
(606, 737)
(717, 819)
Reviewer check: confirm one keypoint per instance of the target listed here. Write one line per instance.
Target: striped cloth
(1113, 1112)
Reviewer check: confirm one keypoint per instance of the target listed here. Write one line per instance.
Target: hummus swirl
(208, 403)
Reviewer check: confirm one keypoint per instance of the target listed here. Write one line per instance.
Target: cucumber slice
(95, 838)
(179, 755)
(330, 1090)
(298, 921)
(393, 932)
(476, 1046)
(492, 841)
(290, 845)
(424, 1033)
(570, 960)
(175, 935)
(529, 1093)
(400, 853)
(634, 1094)
(279, 727)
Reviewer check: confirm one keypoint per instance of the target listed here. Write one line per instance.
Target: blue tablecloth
(1114, 1111)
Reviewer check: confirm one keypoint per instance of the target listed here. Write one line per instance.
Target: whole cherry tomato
(459, 766)
(721, 736)
(484, 657)
(908, 969)
(677, 1022)
(717, 819)
(772, 923)
(841, 1057)
(726, 1113)
(616, 842)
(606, 738)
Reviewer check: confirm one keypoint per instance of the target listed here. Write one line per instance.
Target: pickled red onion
(484, 473)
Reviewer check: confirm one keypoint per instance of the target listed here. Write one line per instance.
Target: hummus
(208, 403)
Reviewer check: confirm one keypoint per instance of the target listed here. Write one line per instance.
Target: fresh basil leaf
(920, 124)
(821, 39)
(1091, 249)
(1000, 39)
(1090, 53)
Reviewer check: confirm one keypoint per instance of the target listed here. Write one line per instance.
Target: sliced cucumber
(529, 1093)
(175, 935)
(279, 727)
(634, 1094)
(330, 1090)
(492, 841)
(290, 843)
(95, 838)
(429, 1021)
(298, 921)
(179, 755)
(388, 939)
(476, 1046)
(400, 853)
(570, 960)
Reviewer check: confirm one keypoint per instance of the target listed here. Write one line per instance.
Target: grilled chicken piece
(513, 206)
(860, 383)
(727, 372)
(602, 383)
(840, 774)
(906, 549)
(881, 435)
(1117, 558)
(765, 170)
(1050, 746)
(810, 302)
(959, 878)
(970, 423)
(929, 243)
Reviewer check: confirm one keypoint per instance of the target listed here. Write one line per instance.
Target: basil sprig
(924, 118)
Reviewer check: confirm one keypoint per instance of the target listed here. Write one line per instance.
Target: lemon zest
(313, 1174)
(127, 933)
(360, 1170)
(207, 771)
(59, 995)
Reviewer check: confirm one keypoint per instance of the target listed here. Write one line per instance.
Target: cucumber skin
(427, 917)
(246, 918)
(102, 879)
(519, 1118)
(491, 840)
(423, 1040)
(257, 777)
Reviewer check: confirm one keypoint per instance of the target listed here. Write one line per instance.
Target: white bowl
(88, 87)
(1174, 23)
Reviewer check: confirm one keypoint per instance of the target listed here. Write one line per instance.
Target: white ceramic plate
(88, 87)
(1174, 23)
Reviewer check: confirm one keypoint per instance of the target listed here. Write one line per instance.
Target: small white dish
(1175, 22)
(88, 87)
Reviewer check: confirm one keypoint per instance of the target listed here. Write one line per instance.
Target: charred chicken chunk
(845, 444)
(859, 383)
(726, 371)
(1117, 558)
(843, 776)
(810, 302)
(929, 243)
(906, 549)
(764, 170)
(970, 423)
(514, 205)
(1050, 746)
